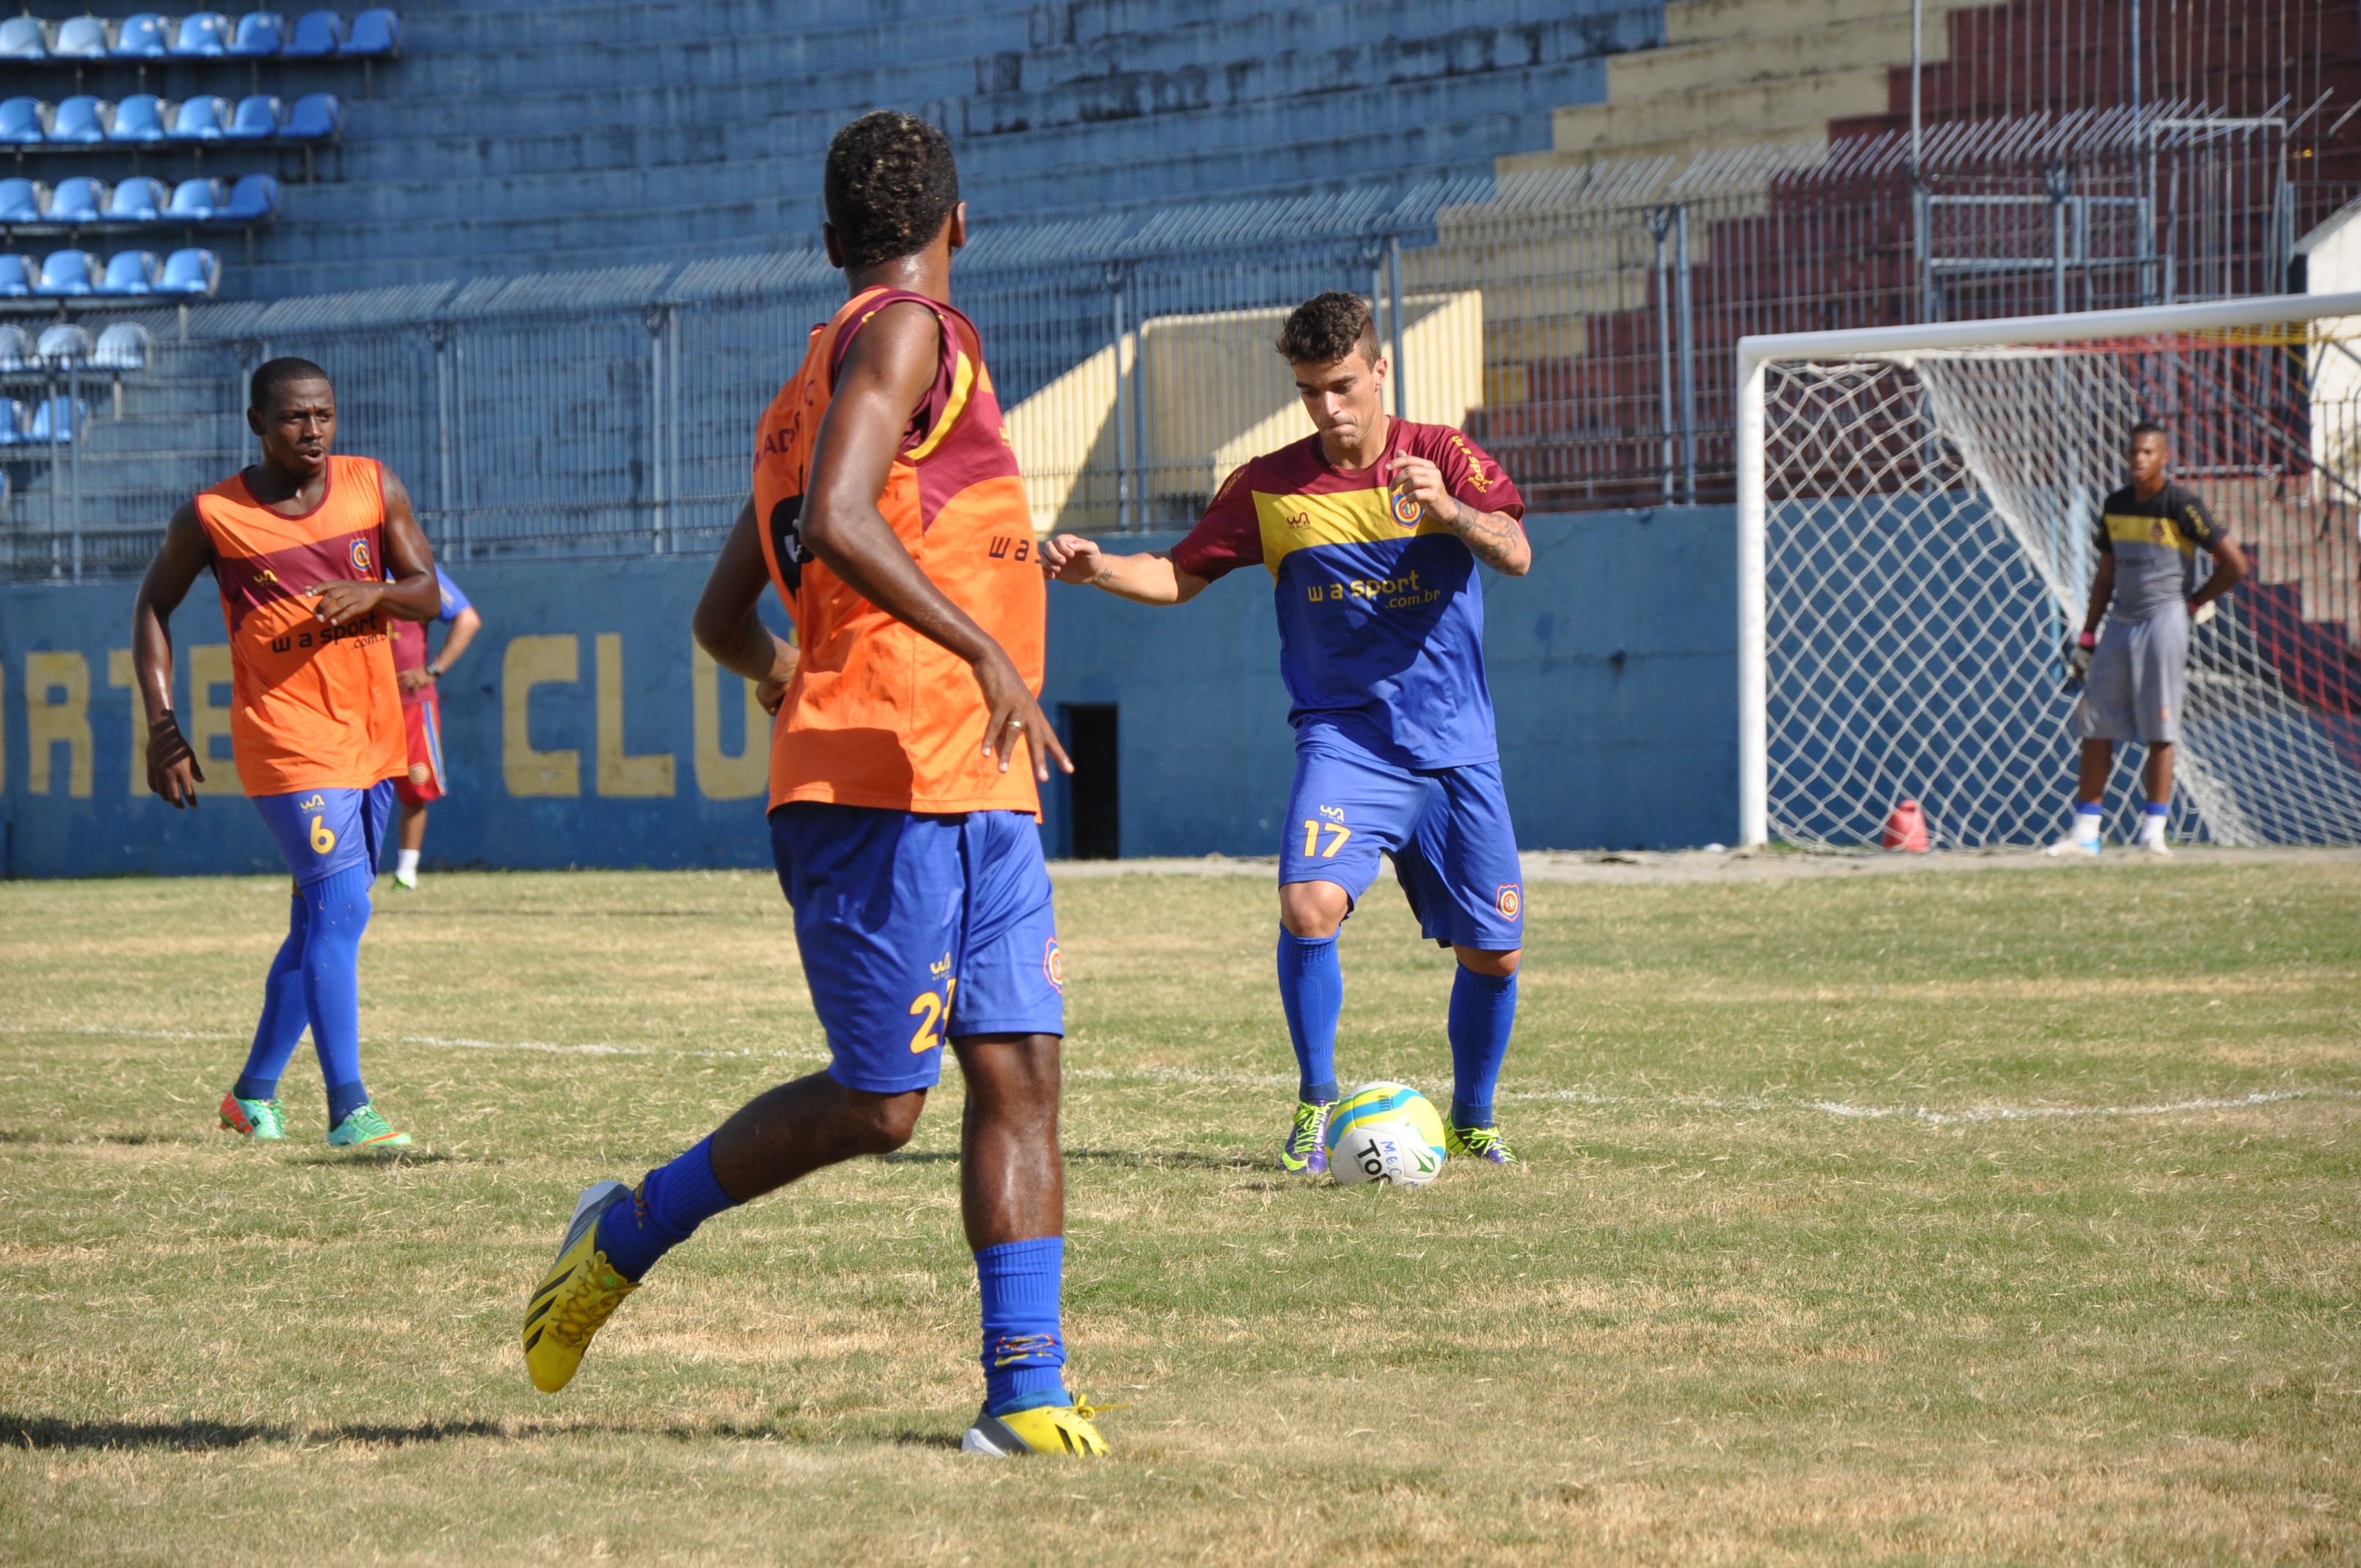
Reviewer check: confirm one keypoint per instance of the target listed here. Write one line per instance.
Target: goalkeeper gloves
(2077, 657)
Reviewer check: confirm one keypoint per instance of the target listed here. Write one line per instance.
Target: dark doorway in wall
(1094, 815)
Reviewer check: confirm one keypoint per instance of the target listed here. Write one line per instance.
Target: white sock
(2152, 828)
(406, 863)
(2086, 825)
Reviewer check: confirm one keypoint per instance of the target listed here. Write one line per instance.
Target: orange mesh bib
(879, 716)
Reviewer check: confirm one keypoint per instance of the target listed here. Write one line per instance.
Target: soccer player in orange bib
(301, 545)
(889, 517)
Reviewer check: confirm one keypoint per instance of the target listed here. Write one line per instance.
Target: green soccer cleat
(365, 1129)
(1048, 1428)
(578, 1296)
(1306, 1150)
(407, 880)
(1479, 1142)
(256, 1121)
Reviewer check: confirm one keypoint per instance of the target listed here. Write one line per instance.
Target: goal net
(1917, 507)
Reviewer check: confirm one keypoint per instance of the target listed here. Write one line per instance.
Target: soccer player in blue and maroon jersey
(1372, 529)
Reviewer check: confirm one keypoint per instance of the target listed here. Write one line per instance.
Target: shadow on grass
(1139, 1160)
(366, 1158)
(132, 1140)
(54, 1432)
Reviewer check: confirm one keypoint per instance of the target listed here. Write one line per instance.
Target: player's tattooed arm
(886, 376)
(1494, 537)
(413, 595)
(726, 624)
(173, 772)
(1148, 578)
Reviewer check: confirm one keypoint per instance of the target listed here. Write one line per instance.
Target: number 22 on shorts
(935, 1008)
(1312, 828)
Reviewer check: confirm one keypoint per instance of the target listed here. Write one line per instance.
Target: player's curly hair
(891, 183)
(273, 374)
(1326, 327)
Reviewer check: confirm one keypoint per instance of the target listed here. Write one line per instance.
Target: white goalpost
(1916, 508)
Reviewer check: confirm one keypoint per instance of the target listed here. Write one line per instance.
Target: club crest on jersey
(1511, 900)
(1053, 965)
(360, 553)
(1407, 511)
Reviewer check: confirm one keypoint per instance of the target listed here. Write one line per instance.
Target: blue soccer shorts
(917, 931)
(1447, 829)
(323, 831)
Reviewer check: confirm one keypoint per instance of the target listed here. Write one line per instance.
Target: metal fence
(1579, 323)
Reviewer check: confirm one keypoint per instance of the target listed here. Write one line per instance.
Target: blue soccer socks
(672, 1201)
(1311, 991)
(1483, 1011)
(315, 981)
(336, 912)
(1024, 1351)
(284, 1014)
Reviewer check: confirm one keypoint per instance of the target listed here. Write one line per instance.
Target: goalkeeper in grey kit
(2147, 589)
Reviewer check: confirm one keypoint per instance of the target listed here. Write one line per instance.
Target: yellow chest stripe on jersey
(1352, 517)
(2126, 530)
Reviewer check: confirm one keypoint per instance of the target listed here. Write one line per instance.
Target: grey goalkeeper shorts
(2137, 675)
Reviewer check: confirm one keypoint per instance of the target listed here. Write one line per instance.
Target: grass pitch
(1995, 1217)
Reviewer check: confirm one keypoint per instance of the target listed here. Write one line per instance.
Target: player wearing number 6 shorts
(2149, 535)
(317, 556)
(1372, 529)
(889, 518)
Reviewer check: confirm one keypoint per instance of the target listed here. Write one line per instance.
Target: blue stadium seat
(82, 118)
(61, 342)
(138, 200)
(15, 348)
(140, 117)
(317, 35)
(204, 35)
(198, 199)
(123, 346)
(317, 117)
(82, 38)
(23, 38)
(68, 416)
(23, 201)
(81, 200)
(14, 416)
(257, 119)
(255, 197)
(260, 34)
(132, 272)
(25, 120)
(17, 276)
(141, 36)
(201, 118)
(66, 272)
(376, 32)
(191, 272)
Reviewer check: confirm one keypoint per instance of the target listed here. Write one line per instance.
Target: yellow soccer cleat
(577, 1297)
(1048, 1428)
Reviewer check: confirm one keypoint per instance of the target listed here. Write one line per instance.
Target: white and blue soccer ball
(1384, 1133)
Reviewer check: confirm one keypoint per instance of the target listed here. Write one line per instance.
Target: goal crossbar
(1756, 354)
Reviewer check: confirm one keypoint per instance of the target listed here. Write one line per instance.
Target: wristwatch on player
(434, 672)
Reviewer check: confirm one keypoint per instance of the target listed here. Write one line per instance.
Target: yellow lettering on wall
(209, 666)
(639, 777)
(533, 661)
(121, 674)
(56, 713)
(720, 775)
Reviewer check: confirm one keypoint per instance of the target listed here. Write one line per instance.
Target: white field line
(1749, 1105)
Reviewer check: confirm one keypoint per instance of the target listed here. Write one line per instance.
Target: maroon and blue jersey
(1381, 607)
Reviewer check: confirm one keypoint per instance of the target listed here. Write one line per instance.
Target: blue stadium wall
(578, 731)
